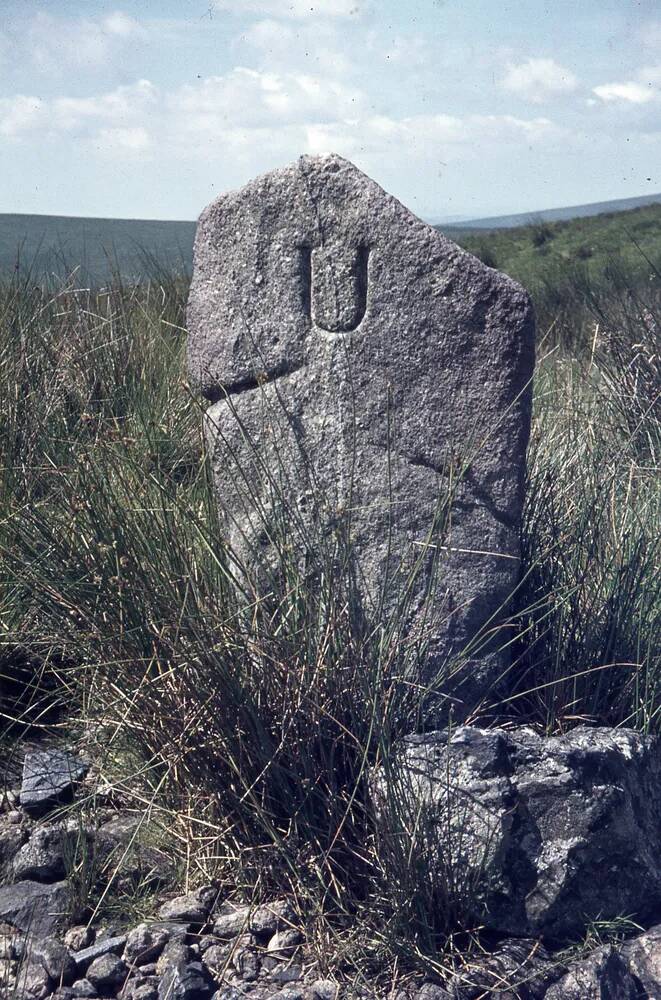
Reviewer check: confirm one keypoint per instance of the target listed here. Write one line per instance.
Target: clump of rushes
(246, 724)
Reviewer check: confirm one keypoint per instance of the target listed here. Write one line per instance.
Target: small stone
(186, 981)
(78, 937)
(144, 944)
(107, 972)
(175, 952)
(42, 857)
(283, 944)
(324, 989)
(84, 989)
(14, 817)
(141, 989)
(193, 908)
(49, 779)
(217, 958)
(271, 917)
(103, 946)
(55, 958)
(231, 920)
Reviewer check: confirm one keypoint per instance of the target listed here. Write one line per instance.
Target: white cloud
(293, 8)
(251, 120)
(20, 114)
(55, 43)
(248, 98)
(538, 80)
(644, 89)
(122, 108)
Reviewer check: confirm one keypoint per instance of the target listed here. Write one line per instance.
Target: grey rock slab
(104, 946)
(363, 370)
(601, 976)
(544, 834)
(35, 908)
(49, 779)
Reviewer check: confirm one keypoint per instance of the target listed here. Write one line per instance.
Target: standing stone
(369, 381)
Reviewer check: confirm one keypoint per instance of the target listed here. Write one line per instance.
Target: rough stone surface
(362, 367)
(84, 989)
(42, 858)
(547, 833)
(104, 946)
(34, 907)
(107, 972)
(55, 958)
(230, 920)
(144, 944)
(186, 981)
(269, 918)
(643, 957)
(49, 778)
(33, 982)
(601, 976)
(192, 908)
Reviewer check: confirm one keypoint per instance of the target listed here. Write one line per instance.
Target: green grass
(570, 267)
(247, 727)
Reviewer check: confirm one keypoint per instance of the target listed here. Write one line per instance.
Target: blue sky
(150, 108)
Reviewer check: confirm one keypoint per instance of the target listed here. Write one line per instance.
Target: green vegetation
(246, 727)
(571, 267)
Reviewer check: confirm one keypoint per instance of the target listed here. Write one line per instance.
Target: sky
(461, 108)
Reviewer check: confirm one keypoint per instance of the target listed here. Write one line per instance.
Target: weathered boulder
(37, 909)
(49, 779)
(601, 976)
(545, 834)
(370, 384)
(643, 957)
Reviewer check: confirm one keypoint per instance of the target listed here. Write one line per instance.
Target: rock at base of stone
(542, 835)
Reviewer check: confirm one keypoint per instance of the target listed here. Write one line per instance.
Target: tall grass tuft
(245, 723)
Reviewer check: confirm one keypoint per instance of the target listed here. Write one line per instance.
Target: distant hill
(95, 248)
(552, 214)
(57, 244)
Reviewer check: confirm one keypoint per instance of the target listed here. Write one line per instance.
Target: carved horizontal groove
(214, 393)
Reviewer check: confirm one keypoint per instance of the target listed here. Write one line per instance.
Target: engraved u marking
(335, 280)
